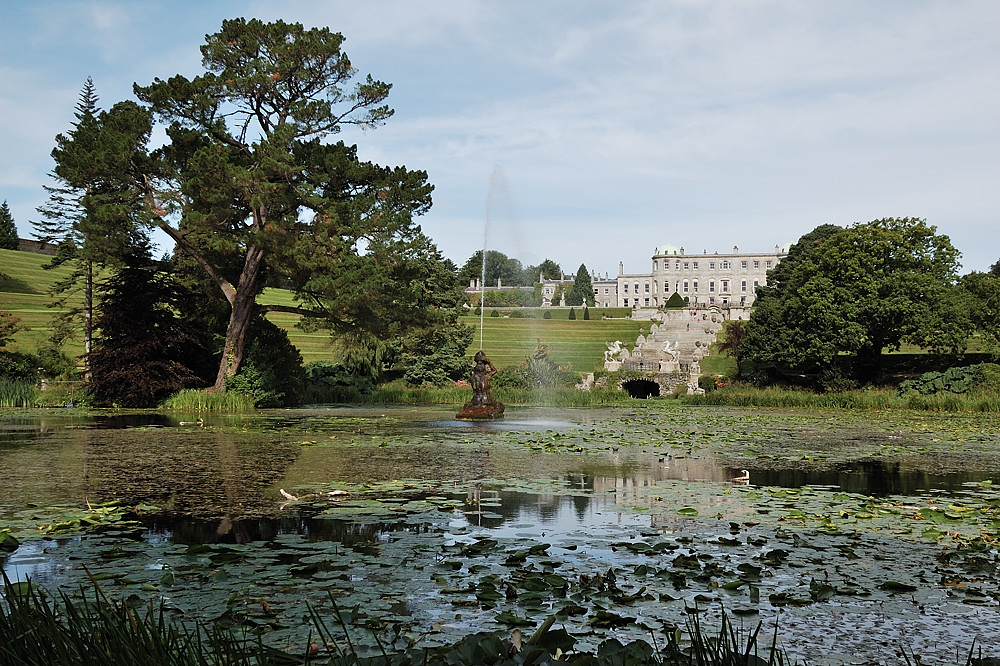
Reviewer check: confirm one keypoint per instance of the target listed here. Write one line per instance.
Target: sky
(593, 132)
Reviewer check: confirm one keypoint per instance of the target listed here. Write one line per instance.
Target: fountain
(482, 407)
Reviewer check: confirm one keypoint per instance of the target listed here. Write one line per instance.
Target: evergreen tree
(143, 352)
(8, 230)
(583, 289)
(262, 191)
(91, 215)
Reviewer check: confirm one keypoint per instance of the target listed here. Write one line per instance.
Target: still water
(585, 481)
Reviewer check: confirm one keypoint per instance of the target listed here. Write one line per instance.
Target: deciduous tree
(984, 305)
(859, 291)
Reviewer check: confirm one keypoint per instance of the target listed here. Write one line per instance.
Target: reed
(196, 401)
(17, 393)
(870, 399)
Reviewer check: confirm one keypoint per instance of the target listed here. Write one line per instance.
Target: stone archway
(641, 388)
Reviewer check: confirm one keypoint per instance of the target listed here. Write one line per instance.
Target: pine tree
(8, 230)
(84, 216)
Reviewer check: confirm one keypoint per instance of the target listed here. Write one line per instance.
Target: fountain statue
(482, 407)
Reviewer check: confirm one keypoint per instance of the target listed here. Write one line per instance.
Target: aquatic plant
(17, 392)
(194, 401)
(36, 628)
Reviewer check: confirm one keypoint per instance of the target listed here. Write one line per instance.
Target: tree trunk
(244, 309)
(88, 317)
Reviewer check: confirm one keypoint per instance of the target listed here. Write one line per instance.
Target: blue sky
(603, 129)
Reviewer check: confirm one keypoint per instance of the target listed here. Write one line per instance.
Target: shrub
(511, 377)
(985, 376)
(438, 357)
(586, 313)
(572, 313)
(19, 366)
(547, 315)
(675, 302)
(495, 313)
(272, 372)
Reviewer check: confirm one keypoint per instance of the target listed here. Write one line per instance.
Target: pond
(858, 533)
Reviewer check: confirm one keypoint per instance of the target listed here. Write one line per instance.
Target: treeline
(843, 297)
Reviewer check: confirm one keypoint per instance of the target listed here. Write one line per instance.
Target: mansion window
(647, 302)
(711, 265)
(646, 287)
(695, 285)
(625, 287)
(694, 264)
(725, 286)
(744, 266)
(725, 265)
(756, 265)
(743, 286)
(685, 286)
(711, 287)
(769, 265)
(685, 265)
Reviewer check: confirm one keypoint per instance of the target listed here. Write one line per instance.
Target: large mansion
(705, 279)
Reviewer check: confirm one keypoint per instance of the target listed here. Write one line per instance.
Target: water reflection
(869, 477)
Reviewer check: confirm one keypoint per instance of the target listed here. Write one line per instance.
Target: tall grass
(194, 401)
(872, 399)
(17, 393)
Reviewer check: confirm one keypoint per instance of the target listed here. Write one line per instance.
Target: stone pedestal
(612, 366)
(472, 412)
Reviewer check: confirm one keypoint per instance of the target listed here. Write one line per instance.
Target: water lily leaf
(511, 620)
(897, 586)
(821, 591)
(687, 511)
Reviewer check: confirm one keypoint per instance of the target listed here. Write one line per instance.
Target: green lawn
(26, 295)
(579, 343)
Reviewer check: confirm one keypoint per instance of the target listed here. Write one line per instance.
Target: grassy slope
(26, 295)
(578, 343)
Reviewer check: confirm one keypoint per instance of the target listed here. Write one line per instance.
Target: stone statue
(482, 407)
(614, 349)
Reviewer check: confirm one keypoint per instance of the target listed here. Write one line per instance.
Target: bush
(985, 376)
(675, 302)
(547, 315)
(271, 372)
(572, 313)
(19, 366)
(322, 375)
(511, 377)
(439, 357)
(494, 313)
(708, 383)
(586, 313)
(836, 379)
